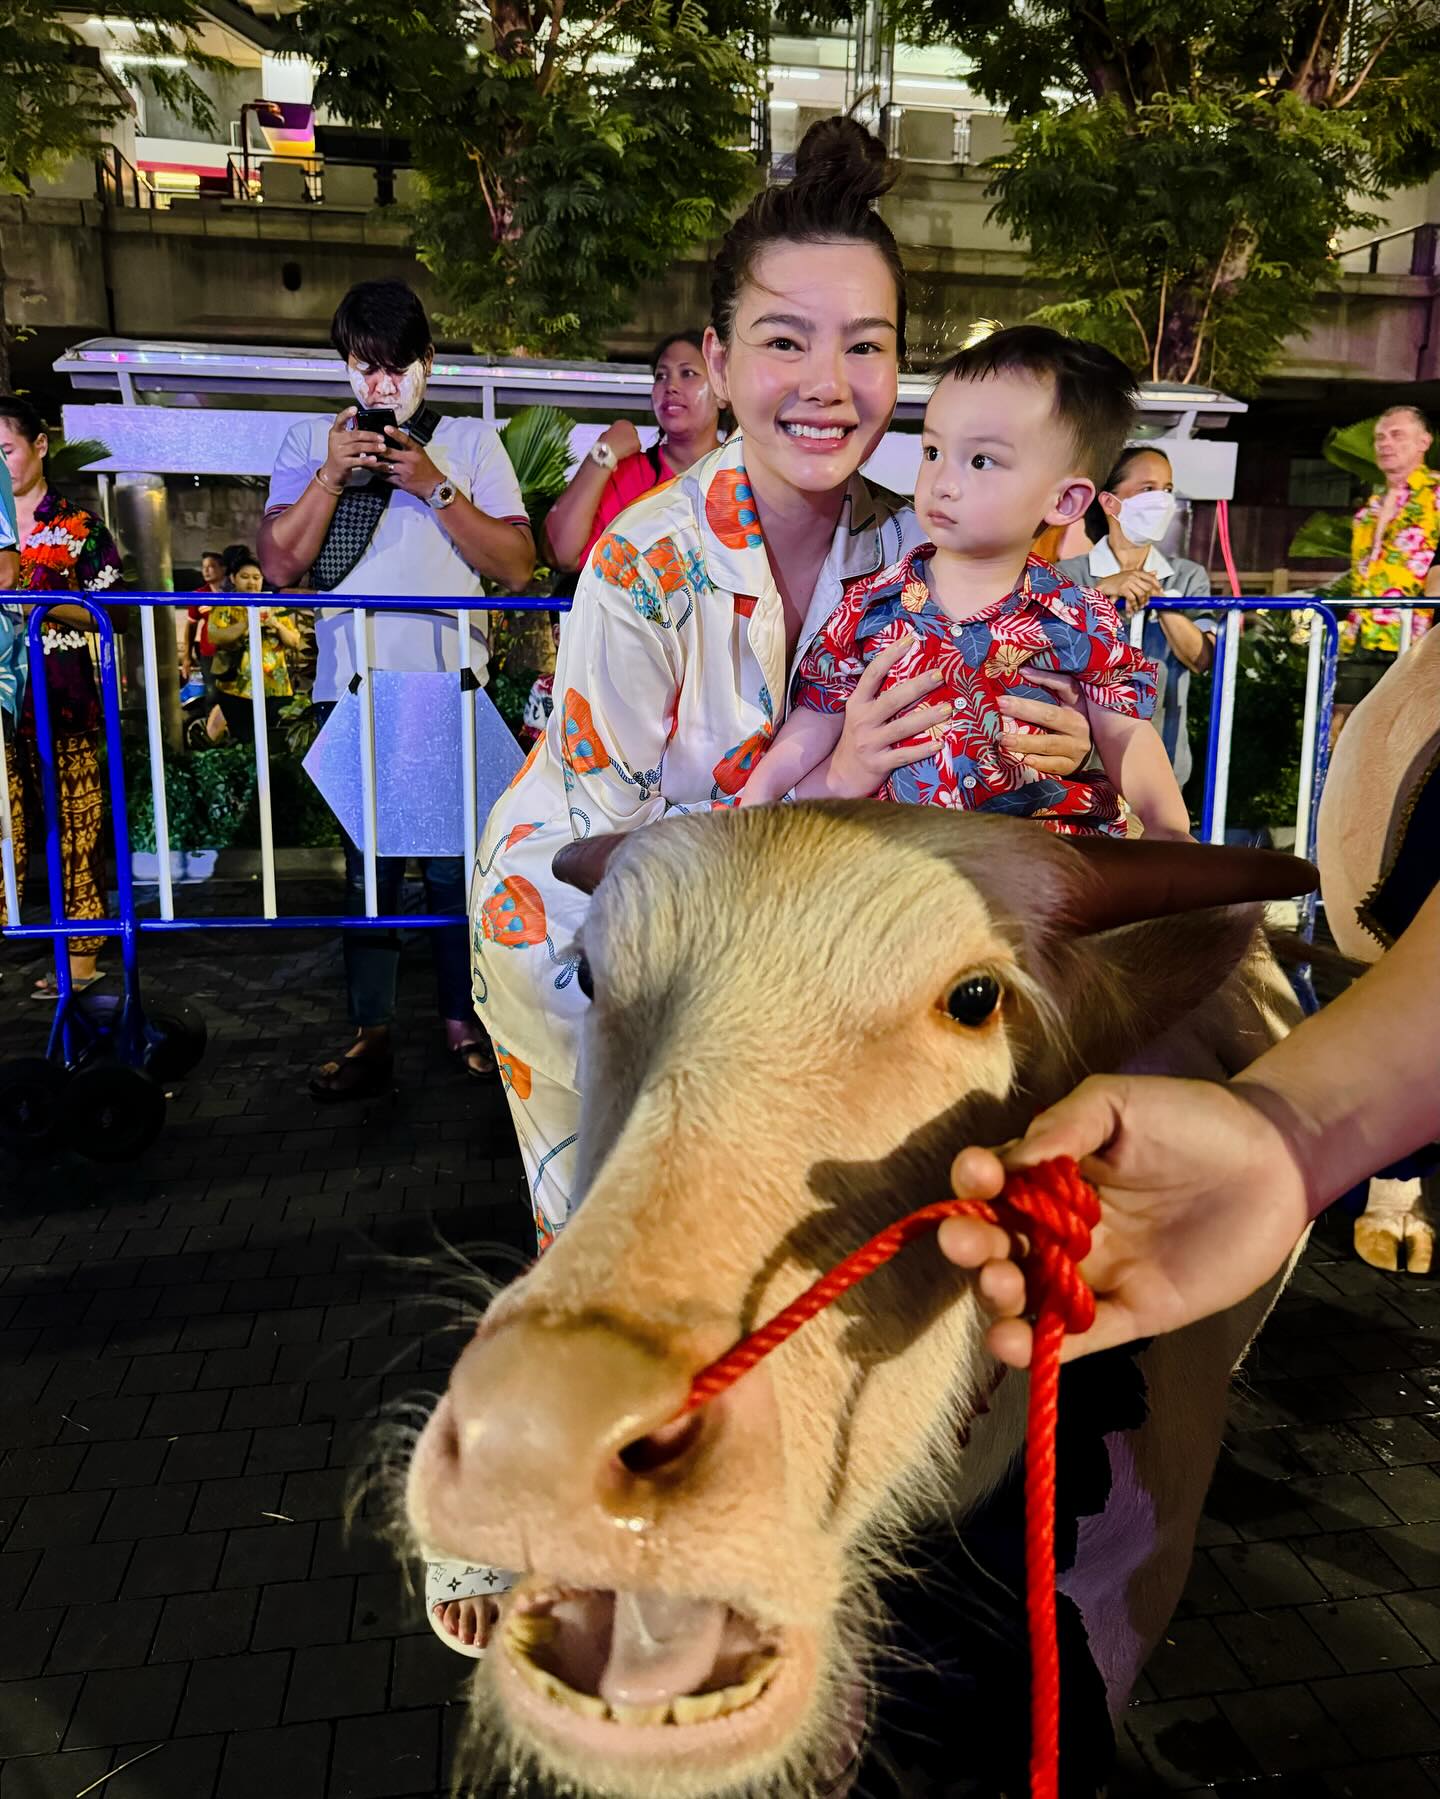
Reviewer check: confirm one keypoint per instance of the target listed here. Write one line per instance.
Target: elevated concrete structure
(212, 271)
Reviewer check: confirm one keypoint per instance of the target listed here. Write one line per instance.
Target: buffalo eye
(584, 980)
(973, 1000)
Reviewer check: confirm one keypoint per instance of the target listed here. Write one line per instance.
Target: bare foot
(469, 1621)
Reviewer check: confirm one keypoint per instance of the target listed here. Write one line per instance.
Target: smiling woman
(676, 663)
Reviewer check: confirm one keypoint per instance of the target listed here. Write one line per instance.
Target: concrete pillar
(142, 521)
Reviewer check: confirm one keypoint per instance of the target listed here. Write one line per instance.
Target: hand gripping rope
(1054, 1210)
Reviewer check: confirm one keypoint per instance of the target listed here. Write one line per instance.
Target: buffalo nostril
(662, 1448)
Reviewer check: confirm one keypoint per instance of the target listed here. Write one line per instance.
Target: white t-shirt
(410, 553)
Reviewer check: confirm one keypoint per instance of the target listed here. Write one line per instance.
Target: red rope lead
(1054, 1210)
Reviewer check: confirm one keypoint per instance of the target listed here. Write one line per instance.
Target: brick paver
(191, 1348)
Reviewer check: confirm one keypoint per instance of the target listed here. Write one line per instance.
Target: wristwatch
(442, 495)
(603, 456)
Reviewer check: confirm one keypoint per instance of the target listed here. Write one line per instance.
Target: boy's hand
(873, 742)
(1062, 739)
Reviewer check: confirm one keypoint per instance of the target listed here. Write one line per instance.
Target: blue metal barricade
(125, 1033)
(122, 1031)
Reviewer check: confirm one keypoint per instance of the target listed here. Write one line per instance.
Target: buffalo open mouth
(636, 1661)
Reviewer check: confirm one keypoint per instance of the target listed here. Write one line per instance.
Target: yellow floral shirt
(1395, 567)
(272, 654)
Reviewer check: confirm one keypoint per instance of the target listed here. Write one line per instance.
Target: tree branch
(1115, 277)
(1160, 324)
(1303, 73)
(552, 43)
(1200, 329)
(1364, 75)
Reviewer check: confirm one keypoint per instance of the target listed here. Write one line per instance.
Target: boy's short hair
(1095, 393)
(382, 325)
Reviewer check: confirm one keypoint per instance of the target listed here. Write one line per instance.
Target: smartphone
(374, 419)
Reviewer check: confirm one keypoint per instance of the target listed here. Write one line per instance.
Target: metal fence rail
(1319, 693)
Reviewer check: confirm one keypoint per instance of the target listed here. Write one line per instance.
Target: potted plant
(208, 794)
(537, 441)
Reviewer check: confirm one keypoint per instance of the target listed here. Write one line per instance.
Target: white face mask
(1146, 517)
(402, 393)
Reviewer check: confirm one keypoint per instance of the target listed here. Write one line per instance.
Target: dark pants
(372, 957)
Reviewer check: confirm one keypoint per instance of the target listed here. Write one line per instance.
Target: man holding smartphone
(391, 498)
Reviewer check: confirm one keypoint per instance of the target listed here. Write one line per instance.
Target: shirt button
(954, 630)
(969, 780)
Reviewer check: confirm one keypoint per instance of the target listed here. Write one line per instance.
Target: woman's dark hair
(23, 416)
(1097, 519)
(381, 324)
(841, 170)
(695, 339)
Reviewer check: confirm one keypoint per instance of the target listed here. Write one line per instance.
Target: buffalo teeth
(690, 1708)
(698, 1708)
(531, 1630)
(640, 1714)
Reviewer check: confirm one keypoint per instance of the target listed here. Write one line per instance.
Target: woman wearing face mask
(1134, 510)
(675, 663)
(617, 472)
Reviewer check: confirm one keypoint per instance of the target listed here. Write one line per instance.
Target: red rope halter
(1055, 1210)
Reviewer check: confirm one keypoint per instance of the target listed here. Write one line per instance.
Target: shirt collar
(734, 547)
(1103, 561)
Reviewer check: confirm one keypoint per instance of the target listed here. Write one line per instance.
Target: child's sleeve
(1111, 672)
(829, 669)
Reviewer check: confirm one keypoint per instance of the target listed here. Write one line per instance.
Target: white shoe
(447, 1582)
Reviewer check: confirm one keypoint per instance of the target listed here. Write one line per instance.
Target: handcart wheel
(115, 1111)
(175, 1038)
(32, 1102)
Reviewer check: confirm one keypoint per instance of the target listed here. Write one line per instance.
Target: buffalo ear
(583, 864)
(1147, 996)
(1127, 881)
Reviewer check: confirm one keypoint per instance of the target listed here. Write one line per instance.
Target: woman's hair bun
(842, 152)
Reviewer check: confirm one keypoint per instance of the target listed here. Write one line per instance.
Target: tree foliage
(570, 149)
(1181, 167)
(57, 100)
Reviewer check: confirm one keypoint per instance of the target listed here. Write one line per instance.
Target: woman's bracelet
(337, 491)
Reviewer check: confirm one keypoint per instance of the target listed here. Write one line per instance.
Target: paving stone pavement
(191, 1349)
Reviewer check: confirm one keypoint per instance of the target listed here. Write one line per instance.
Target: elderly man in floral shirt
(1392, 545)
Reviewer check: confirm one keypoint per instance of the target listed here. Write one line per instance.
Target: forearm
(805, 743)
(225, 637)
(65, 615)
(1194, 647)
(1353, 1088)
(571, 519)
(290, 540)
(493, 547)
(1135, 760)
(9, 570)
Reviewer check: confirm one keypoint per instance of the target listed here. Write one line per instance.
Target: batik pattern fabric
(82, 859)
(67, 550)
(1392, 564)
(1047, 622)
(671, 680)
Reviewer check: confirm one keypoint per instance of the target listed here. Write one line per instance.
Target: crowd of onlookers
(394, 496)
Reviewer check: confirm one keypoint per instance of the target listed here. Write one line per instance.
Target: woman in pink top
(616, 472)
